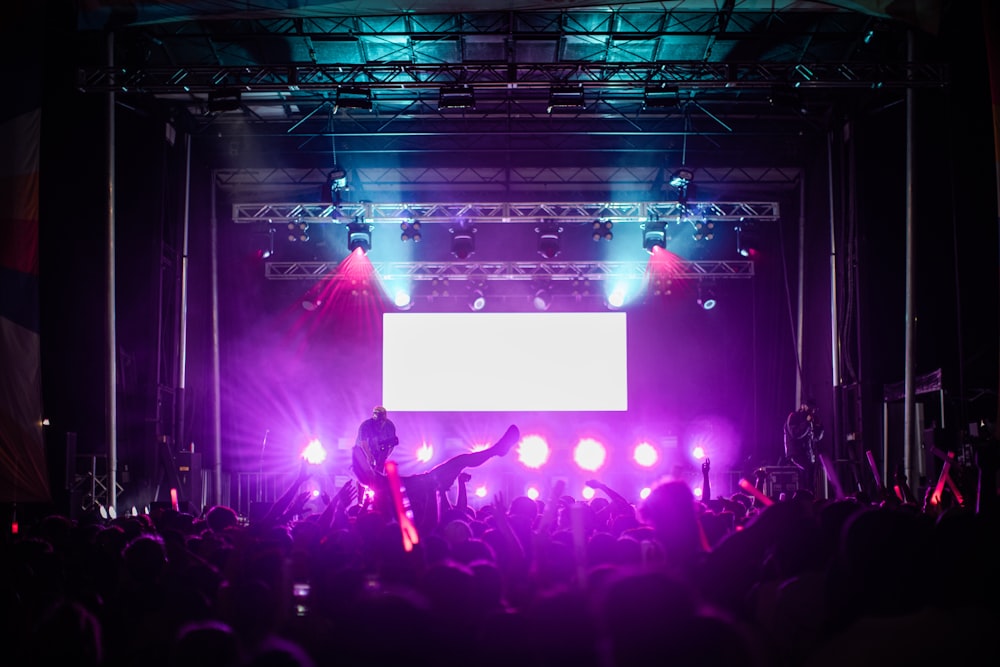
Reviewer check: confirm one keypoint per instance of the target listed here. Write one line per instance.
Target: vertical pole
(833, 424)
(182, 329)
(909, 428)
(800, 297)
(216, 385)
(112, 339)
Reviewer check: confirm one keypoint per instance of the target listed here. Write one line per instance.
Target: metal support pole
(112, 341)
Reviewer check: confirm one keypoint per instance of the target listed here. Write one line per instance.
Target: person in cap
(376, 439)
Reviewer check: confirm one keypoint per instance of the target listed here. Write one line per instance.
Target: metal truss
(417, 78)
(518, 271)
(480, 177)
(277, 213)
(621, 21)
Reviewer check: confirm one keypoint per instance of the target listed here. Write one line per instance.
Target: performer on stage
(376, 439)
(802, 433)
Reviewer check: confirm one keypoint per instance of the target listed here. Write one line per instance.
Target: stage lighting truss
(577, 273)
(548, 239)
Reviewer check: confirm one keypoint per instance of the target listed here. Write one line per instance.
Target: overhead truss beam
(277, 213)
(399, 78)
(520, 271)
(283, 178)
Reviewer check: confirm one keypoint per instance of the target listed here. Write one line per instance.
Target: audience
(606, 583)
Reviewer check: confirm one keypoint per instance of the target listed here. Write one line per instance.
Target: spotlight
(704, 230)
(359, 235)
(411, 231)
(224, 99)
(602, 230)
(264, 244)
(660, 97)
(654, 233)
(706, 299)
(463, 242)
(403, 300)
(787, 97)
(548, 239)
(565, 97)
(682, 178)
(477, 300)
(456, 97)
(337, 178)
(746, 239)
(353, 97)
(298, 231)
(542, 299)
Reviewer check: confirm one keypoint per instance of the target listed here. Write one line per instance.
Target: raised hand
(499, 504)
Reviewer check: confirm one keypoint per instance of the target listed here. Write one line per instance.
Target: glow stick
(173, 500)
(755, 492)
(871, 464)
(405, 517)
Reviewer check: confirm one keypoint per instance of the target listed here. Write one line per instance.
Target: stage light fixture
(602, 230)
(264, 246)
(298, 230)
(224, 99)
(463, 241)
(682, 178)
(542, 299)
(787, 97)
(548, 239)
(660, 96)
(402, 299)
(411, 231)
(353, 97)
(336, 179)
(359, 235)
(477, 300)
(654, 233)
(456, 97)
(706, 298)
(704, 229)
(746, 239)
(566, 97)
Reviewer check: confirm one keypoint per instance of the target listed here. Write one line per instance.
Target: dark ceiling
(560, 93)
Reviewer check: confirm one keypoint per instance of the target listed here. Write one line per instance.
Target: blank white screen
(504, 362)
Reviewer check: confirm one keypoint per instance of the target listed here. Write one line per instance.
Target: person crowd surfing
(422, 488)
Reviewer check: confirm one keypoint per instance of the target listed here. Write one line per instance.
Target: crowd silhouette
(609, 582)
